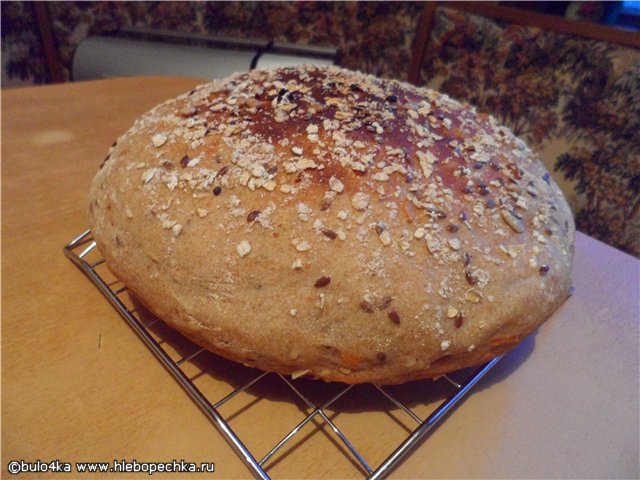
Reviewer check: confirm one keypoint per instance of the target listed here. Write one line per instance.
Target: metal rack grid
(316, 413)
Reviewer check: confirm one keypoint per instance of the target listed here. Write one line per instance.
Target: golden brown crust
(320, 221)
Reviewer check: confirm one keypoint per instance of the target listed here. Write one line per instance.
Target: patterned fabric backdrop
(374, 37)
(22, 55)
(574, 100)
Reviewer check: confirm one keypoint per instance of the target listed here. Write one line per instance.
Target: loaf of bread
(323, 222)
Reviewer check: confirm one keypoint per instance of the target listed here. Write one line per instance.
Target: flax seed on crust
(323, 222)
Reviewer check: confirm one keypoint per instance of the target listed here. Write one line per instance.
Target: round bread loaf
(322, 222)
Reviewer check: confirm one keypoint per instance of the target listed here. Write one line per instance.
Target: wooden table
(78, 385)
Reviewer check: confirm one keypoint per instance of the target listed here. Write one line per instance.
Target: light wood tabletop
(78, 385)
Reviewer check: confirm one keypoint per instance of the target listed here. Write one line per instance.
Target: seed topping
(366, 306)
(243, 248)
(394, 317)
(253, 216)
(322, 282)
(158, 140)
(471, 278)
(360, 200)
(336, 185)
(329, 234)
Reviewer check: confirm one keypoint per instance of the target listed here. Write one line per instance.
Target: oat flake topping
(384, 165)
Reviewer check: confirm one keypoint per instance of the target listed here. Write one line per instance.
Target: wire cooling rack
(183, 360)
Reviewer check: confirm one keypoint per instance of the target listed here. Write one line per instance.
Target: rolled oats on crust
(322, 222)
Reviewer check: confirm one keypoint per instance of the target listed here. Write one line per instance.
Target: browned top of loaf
(299, 165)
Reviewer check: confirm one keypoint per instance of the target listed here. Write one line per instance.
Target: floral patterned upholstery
(576, 101)
(374, 37)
